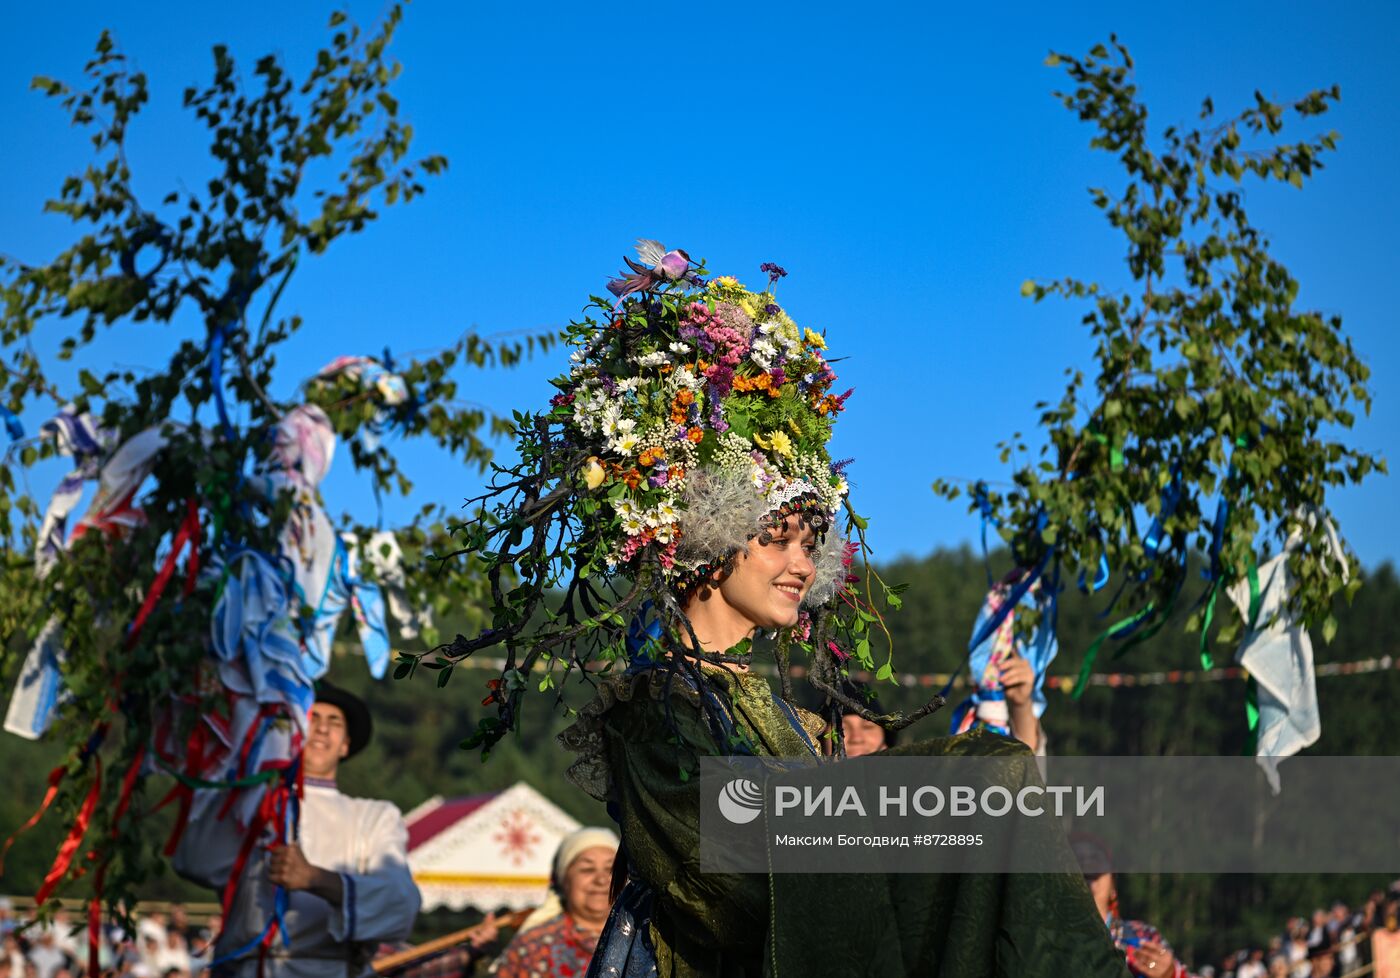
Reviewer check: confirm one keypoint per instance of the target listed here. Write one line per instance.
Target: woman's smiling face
(772, 576)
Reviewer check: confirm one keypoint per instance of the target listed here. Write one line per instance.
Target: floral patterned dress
(558, 948)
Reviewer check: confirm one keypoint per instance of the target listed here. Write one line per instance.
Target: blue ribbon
(1171, 498)
(979, 496)
(153, 233)
(216, 380)
(1217, 537)
(12, 423)
(642, 636)
(1101, 577)
(280, 899)
(994, 621)
(239, 295)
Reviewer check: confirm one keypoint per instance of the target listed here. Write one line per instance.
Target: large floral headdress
(705, 412)
(696, 415)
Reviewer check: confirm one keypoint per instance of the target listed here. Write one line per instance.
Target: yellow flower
(814, 339)
(593, 473)
(777, 441)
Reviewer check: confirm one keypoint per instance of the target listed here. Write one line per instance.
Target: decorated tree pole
(177, 626)
(1213, 417)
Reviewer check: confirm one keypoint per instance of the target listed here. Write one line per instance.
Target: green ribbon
(262, 777)
(1116, 629)
(1251, 714)
(1207, 661)
(1251, 690)
(1093, 651)
(1115, 452)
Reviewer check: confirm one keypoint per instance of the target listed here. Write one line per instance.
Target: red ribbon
(55, 776)
(94, 915)
(194, 764)
(188, 531)
(70, 846)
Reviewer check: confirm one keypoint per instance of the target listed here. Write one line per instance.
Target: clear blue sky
(907, 164)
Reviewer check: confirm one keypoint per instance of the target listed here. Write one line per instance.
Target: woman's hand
(1153, 960)
(485, 932)
(1018, 680)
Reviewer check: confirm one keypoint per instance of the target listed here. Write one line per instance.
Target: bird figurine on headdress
(660, 266)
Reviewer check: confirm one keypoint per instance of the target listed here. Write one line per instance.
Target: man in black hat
(345, 876)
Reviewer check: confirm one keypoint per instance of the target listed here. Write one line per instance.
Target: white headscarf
(570, 848)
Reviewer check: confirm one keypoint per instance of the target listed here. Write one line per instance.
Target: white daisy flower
(624, 444)
(633, 525)
(680, 348)
(655, 359)
(762, 353)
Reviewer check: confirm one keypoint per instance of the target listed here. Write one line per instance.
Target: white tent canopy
(486, 851)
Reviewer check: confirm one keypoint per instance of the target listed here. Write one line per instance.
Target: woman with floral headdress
(682, 480)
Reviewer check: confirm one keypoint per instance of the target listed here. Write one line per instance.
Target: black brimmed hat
(358, 723)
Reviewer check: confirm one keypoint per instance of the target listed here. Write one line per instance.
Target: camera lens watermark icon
(741, 801)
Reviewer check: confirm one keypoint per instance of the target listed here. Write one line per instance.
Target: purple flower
(772, 308)
(839, 468)
(698, 336)
(721, 378)
(779, 376)
(610, 386)
(774, 271)
(717, 421)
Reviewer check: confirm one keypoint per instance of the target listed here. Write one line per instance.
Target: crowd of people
(162, 945)
(1332, 943)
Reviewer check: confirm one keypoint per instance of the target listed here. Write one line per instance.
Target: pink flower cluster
(667, 555)
(802, 631)
(722, 335)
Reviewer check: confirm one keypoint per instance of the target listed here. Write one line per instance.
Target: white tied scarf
(1277, 652)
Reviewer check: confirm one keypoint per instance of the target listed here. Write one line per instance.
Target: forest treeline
(418, 728)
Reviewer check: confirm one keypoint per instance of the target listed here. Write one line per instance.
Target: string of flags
(1065, 683)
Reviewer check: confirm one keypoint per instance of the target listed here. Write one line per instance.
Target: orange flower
(633, 478)
(763, 382)
(685, 397)
(695, 435)
(676, 472)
